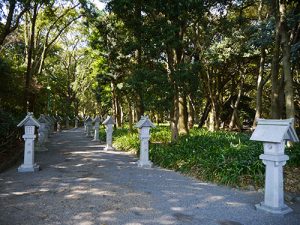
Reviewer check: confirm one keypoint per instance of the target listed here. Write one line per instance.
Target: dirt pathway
(81, 184)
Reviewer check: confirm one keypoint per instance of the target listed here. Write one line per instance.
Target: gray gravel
(81, 184)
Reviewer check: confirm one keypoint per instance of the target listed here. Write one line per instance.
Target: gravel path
(81, 184)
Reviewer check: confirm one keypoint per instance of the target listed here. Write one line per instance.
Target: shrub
(223, 157)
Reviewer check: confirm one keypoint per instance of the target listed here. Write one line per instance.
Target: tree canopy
(219, 64)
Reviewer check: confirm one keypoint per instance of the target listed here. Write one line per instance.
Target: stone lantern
(47, 129)
(109, 122)
(52, 121)
(84, 123)
(96, 128)
(40, 146)
(144, 125)
(274, 134)
(59, 119)
(76, 121)
(88, 122)
(29, 123)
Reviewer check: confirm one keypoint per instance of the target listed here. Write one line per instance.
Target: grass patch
(222, 157)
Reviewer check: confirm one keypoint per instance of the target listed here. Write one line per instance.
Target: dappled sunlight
(95, 187)
(79, 165)
(85, 152)
(235, 204)
(177, 208)
(84, 218)
(89, 179)
(214, 198)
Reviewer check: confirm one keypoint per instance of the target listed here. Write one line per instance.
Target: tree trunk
(174, 120)
(183, 115)
(235, 121)
(260, 85)
(214, 116)
(6, 29)
(28, 76)
(115, 104)
(118, 112)
(281, 98)
(260, 81)
(275, 113)
(286, 52)
(191, 117)
(139, 107)
(205, 114)
(130, 116)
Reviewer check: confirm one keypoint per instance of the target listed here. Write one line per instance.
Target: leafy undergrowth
(222, 157)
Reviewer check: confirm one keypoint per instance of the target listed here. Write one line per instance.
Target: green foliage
(294, 154)
(223, 157)
(8, 123)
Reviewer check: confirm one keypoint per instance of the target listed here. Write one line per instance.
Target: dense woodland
(219, 64)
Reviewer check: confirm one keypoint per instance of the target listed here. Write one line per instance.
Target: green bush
(223, 157)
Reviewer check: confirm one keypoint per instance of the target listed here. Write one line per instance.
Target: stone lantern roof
(42, 119)
(29, 120)
(144, 122)
(269, 130)
(88, 119)
(96, 119)
(109, 120)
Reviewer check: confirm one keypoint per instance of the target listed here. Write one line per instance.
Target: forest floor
(80, 183)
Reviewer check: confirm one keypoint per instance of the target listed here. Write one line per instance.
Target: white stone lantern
(84, 123)
(274, 134)
(47, 129)
(76, 121)
(59, 119)
(96, 128)
(29, 123)
(89, 130)
(109, 123)
(52, 122)
(42, 131)
(144, 125)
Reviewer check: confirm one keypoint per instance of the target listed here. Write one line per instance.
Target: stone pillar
(76, 122)
(58, 129)
(46, 130)
(96, 128)
(144, 148)
(42, 130)
(67, 122)
(109, 122)
(274, 159)
(52, 123)
(29, 124)
(109, 132)
(144, 125)
(89, 127)
(49, 125)
(84, 124)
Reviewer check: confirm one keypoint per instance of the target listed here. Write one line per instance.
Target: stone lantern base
(278, 210)
(147, 164)
(28, 168)
(109, 148)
